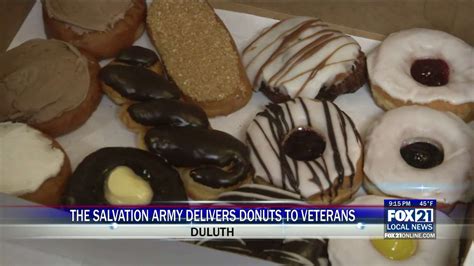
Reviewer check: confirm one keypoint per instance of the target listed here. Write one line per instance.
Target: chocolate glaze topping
(138, 83)
(422, 155)
(86, 185)
(173, 113)
(208, 151)
(137, 56)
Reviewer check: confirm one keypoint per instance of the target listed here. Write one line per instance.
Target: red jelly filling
(304, 144)
(430, 72)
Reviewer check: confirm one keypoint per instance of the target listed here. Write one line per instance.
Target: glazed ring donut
(309, 147)
(210, 161)
(392, 252)
(33, 165)
(418, 152)
(123, 176)
(100, 44)
(143, 115)
(424, 67)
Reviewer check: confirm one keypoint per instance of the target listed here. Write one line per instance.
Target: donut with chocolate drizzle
(308, 147)
(86, 185)
(217, 158)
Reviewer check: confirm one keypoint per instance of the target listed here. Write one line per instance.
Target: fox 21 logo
(409, 216)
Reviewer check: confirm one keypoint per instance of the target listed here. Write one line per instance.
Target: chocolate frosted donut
(308, 147)
(137, 56)
(173, 113)
(93, 182)
(304, 57)
(137, 83)
(217, 161)
(207, 150)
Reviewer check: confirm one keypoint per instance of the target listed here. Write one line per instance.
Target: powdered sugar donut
(309, 147)
(419, 152)
(304, 57)
(441, 251)
(425, 67)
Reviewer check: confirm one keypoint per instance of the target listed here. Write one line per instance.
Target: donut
(309, 147)
(34, 165)
(423, 67)
(126, 84)
(418, 152)
(304, 57)
(441, 251)
(238, 246)
(49, 85)
(123, 176)
(210, 161)
(298, 252)
(137, 56)
(142, 115)
(102, 28)
(199, 55)
(258, 192)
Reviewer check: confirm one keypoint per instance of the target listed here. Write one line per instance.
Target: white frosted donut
(303, 56)
(431, 252)
(389, 66)
(449, 180)
(271, 136)
(27, 158)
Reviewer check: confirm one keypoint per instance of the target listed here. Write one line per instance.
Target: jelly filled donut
(123, 176)
(210, 161)
(418, 152)
(304, 57)
(174, 113)
(442, 251)
(309, 147)
(424, 67)
(33, 166)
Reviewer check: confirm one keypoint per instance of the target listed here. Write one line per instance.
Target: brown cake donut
(59, 100)
(304, 57)
(90, 33)
(44, 168)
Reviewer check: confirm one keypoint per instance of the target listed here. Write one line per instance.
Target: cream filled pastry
(424, 67)
(442, 251)
(418, 152)
(102, 28)
(29, 159)
(306, 146)
(40, 80)
(48, 84)
(304, 57)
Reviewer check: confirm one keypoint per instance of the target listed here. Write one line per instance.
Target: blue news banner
(400, 218)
